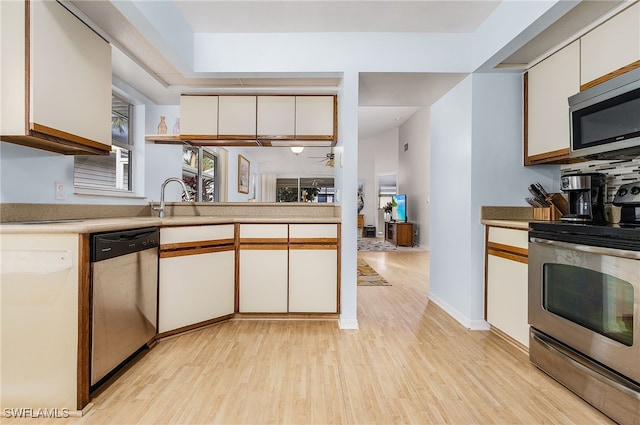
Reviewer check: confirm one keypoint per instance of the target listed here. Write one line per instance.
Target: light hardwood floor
(408, 363)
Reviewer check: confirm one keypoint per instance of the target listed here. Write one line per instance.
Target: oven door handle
(612, 252)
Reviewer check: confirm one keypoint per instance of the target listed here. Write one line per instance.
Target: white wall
(476, 157)
(414, 173)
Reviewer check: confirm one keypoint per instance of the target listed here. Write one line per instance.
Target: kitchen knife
(538, 196)
(541, 189)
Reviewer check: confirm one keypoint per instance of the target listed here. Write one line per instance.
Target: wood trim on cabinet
(169, 139)
(196, 244)
(313, 240)
(508, 248)
(247, 137)
(195, 251)
(339, 254)
(84, 320)
(192, 137)
(508, 255)
(291, 316)
(244, 241)
(236, 233)
(49, 133)
(609, 76)
(313, 246)
(264, 247)
(486, 267)
(525, 123)
(560, 156)
(312, 137)
(193, 326)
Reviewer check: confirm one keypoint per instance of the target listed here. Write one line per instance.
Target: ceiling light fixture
(297, 149)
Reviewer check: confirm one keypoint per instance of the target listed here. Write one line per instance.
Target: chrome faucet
(170, 179)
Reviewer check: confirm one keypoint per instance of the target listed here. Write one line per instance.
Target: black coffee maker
(586, 197)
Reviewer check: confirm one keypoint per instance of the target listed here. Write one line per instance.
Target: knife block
(547, 214)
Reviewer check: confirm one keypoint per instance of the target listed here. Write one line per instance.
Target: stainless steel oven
(584, 312)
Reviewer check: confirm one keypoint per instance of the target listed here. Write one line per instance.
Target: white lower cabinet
(195, 288)
(263, 279)
(196, 276)
(507, 297)
(507, 282)
(313, 280)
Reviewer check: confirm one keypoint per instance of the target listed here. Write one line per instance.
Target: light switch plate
(61, 191)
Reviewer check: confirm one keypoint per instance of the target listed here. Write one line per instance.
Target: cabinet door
(611, 46)
(313, 280)
(70, 75)
(507, 297)
(276, 117)
(195, 288)
(315, 117)
(237, 117)
(507, 282)
(550, 83)
(199, 117)
(263, 279)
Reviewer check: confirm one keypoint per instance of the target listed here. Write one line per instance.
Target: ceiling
(386, 99)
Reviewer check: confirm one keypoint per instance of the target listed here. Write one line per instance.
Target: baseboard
(345, 324)
(474, 325)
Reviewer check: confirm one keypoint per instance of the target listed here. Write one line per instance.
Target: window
(112, 172)
(199, 173)
(305, 189)
(385, 195)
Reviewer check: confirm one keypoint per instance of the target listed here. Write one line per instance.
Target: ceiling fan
(328, 159)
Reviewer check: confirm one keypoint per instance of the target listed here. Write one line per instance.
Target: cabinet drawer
(264, 231)
(509, 237)
(171, 235)
(313, 231)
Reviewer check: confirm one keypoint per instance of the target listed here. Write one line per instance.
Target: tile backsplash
(618, 172)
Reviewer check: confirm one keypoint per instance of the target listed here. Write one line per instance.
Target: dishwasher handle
(115, 244)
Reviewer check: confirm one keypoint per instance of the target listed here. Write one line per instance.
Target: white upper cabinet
(199, 116)
(611, 46)
(67, 78)
(276, 117)
(550, 83)
(236, 117)
(315, 117)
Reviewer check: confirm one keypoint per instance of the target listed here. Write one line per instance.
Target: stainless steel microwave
(605, 119)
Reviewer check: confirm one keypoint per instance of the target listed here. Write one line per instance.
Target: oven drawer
(608, 392)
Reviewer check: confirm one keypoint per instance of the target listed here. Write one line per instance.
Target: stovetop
(620, 236)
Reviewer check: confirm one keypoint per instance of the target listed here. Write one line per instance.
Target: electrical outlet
(61, 191)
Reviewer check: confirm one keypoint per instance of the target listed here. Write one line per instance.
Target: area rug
(368, 277)
(372, 244)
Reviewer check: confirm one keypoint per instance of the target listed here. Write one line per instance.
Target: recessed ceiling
(265, 16)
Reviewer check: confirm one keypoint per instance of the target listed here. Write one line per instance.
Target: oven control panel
(628, 194)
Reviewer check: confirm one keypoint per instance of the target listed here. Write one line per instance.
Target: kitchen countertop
(123, 223)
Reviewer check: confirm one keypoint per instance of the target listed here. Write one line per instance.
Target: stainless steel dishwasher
(124, 296)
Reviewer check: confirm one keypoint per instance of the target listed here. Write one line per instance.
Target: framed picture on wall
(244, 168)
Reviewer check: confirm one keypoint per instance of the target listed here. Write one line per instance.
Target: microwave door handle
(612, 252)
